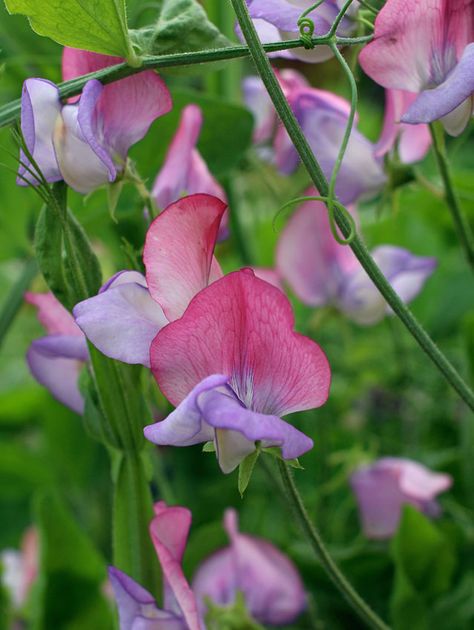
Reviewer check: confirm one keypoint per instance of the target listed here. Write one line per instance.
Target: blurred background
(387, 398)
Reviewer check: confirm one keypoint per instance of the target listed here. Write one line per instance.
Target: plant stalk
(463, 228)
(295, 132)
(344, 587)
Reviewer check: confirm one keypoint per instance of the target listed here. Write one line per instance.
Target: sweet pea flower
(268, 580)
(232, 365)
(56, 360)
(426, 48)
(20, 568)
(382, 489)
(277, 20)
(184, 171)
(322, 272)
(86, 142)
(130, 309)
(413, 141)
(138, 610)
(323, 118)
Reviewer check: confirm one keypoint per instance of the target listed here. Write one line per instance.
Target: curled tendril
(306, 26)
(332, 204)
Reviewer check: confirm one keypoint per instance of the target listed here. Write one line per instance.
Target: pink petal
(169, 531)
(178, 253)
(310, 259)
(242, 327)
(417, 43)
(52, 314)
(269, 275)
(127, 107)
(416, 480)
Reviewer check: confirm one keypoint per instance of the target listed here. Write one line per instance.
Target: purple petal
(55, 362)
(406, 272)
(137, 607)
(40, 109)
(258, 101)
(213, 406)
(448, 97)
(272, 588)
(384, 487)
(122, 320)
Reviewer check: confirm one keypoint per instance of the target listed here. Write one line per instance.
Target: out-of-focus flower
(323, 117)
(184, 171)
(322, 272)
(277, 20)
(270, 583)
(426, 48)
(138, 610)
(20, 568)
(56, 360)
(384, 487)
(130, 309)
(86, 142)
(413, 141)
(232, 365)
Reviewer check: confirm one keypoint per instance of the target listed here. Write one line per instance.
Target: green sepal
(246, 467)
(232, 617)
(275, 451)
(209, 447)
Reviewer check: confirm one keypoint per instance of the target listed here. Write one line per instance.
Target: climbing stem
(295, 132)
(463, 228)
(314, 538)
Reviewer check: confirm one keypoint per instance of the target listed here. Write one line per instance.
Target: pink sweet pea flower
(413, 141)
(425, 47)
(232, 365)
(130, 309)
(184, 171)
(382, 489)
(56, 360)
(20, 568)
(86, 142)
(268, 580)
(277, 20)
(169, 531)
(323, 117)
(322, 272)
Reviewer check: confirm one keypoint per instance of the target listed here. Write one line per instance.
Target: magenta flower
(277, 20)
(184, 171)
(323, 117)
(321, 272)
(233, 365)
(130, 309)
(56, 360)
(426, 48)
(138, 610)
(413, 141)
(382, 489)
(86, 142)
(268, 580)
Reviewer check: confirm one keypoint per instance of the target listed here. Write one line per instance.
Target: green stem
(16, 297)
(344, 587)
(461, 223)
(358, 247)
(10, 112)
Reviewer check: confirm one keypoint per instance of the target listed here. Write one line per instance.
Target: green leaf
(246, 469)
(71, 575)
(182, 26)
(96, 25)
(424, 566)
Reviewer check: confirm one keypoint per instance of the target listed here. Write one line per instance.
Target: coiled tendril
(306, 26)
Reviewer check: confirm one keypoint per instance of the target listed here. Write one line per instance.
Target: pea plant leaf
(96, 25)
(181, 26)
